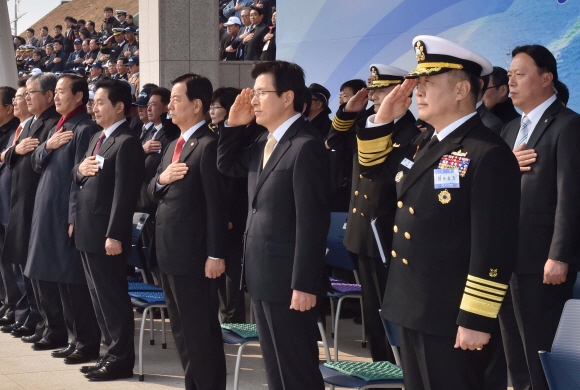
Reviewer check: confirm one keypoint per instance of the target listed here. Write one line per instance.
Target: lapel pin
(546, 121)
(192, 143)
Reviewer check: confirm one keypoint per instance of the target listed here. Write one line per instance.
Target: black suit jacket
(288, 215)
(168, 132)
(253, 48)
(191, 221)
(6, 131)
(454, 249)
(373, 192)
(24, 183)
(489, 120)
(549, 211)
(106, 202)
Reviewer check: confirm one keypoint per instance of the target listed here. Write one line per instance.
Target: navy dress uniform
(455, 235)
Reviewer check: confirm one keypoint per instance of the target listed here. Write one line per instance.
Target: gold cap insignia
(374, 75)
(444, 197)
(493, 272)
(459, 153)
(399, 176)
(420, 51)
(395, 145)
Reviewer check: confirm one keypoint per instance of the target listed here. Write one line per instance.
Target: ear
(288, 98)
(462, 89)
(120, 107)
(504, 90)
(547, 79)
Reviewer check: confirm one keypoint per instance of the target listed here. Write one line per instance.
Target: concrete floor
(23, 368)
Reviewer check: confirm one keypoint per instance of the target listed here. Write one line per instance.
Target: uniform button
(395, 229)
(356, 193)
(161, 201)
(407, 236)
(366, 197)
(254, 211)
(405, 261)
(361, 176)
(370, 179)
(354, 210)
(400, 204)
(393, 254)
(81, 187)
(411, 210)
(362, 214)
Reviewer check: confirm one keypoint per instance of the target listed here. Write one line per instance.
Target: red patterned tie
(17, 134)
(178, 149)
(99, 143)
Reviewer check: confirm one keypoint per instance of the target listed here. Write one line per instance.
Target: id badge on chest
(446, 178)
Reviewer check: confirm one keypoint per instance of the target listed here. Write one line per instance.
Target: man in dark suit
(109, 180)
(373, 194)
(51, 258)
(19, 292)
(285, 241)
(455, 228)
(545, 141)
(490, 121)
(496, 97)
(191, 234)
(57, 61)
(40, 101)
(254, 41)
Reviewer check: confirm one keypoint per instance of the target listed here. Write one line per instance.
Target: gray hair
(46, 81)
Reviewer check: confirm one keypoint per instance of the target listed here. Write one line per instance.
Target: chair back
(137, 256)
(337, 255)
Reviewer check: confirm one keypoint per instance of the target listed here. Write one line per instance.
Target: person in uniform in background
(456, 225)
(319, 111)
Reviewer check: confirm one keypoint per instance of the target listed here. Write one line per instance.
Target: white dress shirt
(450, 128)
(536, 114)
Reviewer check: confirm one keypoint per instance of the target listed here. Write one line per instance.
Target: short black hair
(260, 11)
(57, 40)
(198, 87)
(117, 91)
(473, 80)
(81, 21)
(543, 58)
(163, 93)
(22, 40)
(88, 41)
(123, 59)
(563, 93)
(91, 23)
(78, 84)
(499, 76)
(149, 85)
(44, 28)
(8, 94)
(287, 77)
(225, 96)
(485, 80)
(38, 52)
(58, 26)
(21, 84)
(85, 31)
(30, 30)
(108, 9)
(70, 19)
(355, 85)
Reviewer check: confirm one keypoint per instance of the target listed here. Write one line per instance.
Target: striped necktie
(524, 132)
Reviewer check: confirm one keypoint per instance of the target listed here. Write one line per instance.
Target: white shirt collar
(24, 122)
(158, 127)
(536, 114)
(453, 126)
(192, 130)
(112, 128)
(281, 130)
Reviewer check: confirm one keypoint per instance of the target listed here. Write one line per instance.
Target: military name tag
(446, 178)
(407, 163)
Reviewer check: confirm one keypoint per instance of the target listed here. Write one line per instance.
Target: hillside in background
(83, 9)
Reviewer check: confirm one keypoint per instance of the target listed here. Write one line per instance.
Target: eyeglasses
(215, 108)
(28, 93)
(493, 87)
(258, 94)
(17, 98)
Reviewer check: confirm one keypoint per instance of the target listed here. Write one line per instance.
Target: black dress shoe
(100, 363)
(11, 327)
(62, 353)
(32, 338)
(45, 345)
(78, 357)
(23, 330)
(110, 371)
(7, 320)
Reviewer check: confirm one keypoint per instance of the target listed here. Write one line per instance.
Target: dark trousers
(28, 303)
(50, 306)
(538, 308)
(79, 317)
(513, 346)
(15, 303)
(373, 279)
(431, 363)
(107, 283)
(288, 339)
(192, 307)
(231, 296)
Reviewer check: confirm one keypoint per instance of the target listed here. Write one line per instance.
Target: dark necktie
(433, 142)
(178, 149)
(99, 143)
(143, 132)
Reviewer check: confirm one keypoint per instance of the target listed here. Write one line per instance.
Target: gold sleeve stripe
(480, 294)
(374, 160)
(479, 306)
(341, 124)
(487, 282)
(484, 288)
(373, 152)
